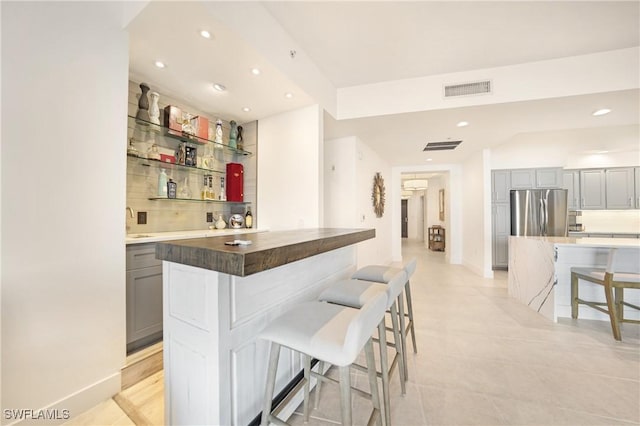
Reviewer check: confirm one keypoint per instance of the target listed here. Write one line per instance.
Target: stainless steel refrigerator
(539, 212)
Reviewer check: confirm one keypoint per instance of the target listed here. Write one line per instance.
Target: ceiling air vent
(466, 89)
(441, 146)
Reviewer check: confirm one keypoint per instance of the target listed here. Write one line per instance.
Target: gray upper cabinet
(637, 173)
(571, 182)
(592, 189)
(523, 179)
(549, 178)
(500, 185)
(620, 192)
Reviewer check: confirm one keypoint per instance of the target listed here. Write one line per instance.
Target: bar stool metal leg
(403, 335)
(399, 355)
(384, 371)
(345, 394)
(271, 382)
(373, 382)
(307, 385)
(407, 290)
(318, 383)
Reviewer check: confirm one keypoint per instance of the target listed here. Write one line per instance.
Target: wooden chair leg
(271, 383)
(608, 293)
(574, 296)
(619, 297)
(345, 395)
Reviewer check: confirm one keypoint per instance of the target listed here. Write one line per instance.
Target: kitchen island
(540, 272)
(217, 298)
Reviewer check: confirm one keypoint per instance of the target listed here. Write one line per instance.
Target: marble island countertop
(588, 242)
(152, 237)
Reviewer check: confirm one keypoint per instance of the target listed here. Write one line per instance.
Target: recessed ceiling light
(288, 95)
(462, 124)
(219, 87)
(246, 109)
(602, 152)
(429, 159)
(255, 71)
(160, 64)
(205, 34)
(602, 111)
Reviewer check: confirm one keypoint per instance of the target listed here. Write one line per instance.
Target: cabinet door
(500, 184)
(523, 179)
(144, 302)
(501, 231)
(620, 188)
(548, 178)
(592, 189)
(571, 182)
(637, 187)
(142, 256)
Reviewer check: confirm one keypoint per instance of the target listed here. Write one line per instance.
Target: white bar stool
(356, 293)
(333, 334)
(383, 274)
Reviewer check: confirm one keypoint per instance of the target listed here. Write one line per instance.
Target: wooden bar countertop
(267, 249)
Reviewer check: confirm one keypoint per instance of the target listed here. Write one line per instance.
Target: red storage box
(235, 182)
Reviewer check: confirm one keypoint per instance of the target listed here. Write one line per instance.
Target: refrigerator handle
(541, 225)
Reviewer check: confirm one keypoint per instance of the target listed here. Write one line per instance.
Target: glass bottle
(162, 183)
(248, 218)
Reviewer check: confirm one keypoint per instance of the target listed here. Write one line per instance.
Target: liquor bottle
(162, 183)
(223, 193)
(204, 192)
(248, 219)
(171, 189)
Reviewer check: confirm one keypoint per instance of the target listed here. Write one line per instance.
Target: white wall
(340, 184)
(476, 254)
(349, 168)
(64, 98)
(570, 149)
(289, 169)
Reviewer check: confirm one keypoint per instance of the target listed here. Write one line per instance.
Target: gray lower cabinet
(144, 296)
(620, 188)
(501, 231)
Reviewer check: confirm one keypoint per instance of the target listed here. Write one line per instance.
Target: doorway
(405, 219)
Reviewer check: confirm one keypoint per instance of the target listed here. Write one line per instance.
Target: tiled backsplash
(611, 221)
(168, 215)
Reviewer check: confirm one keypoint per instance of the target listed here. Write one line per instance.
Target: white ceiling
(355, 43)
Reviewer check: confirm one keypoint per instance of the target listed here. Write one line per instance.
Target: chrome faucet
(130, 212)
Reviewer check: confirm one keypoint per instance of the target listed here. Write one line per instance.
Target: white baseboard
(78, 402)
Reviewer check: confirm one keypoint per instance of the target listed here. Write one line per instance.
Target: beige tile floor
(483, 359)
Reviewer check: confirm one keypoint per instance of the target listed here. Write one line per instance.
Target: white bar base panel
(214, 365)
(540, 275)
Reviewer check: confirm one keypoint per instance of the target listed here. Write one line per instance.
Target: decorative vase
(233, 135)
(143, 104)
(240, 142)
(154, 109)
(220, 223)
